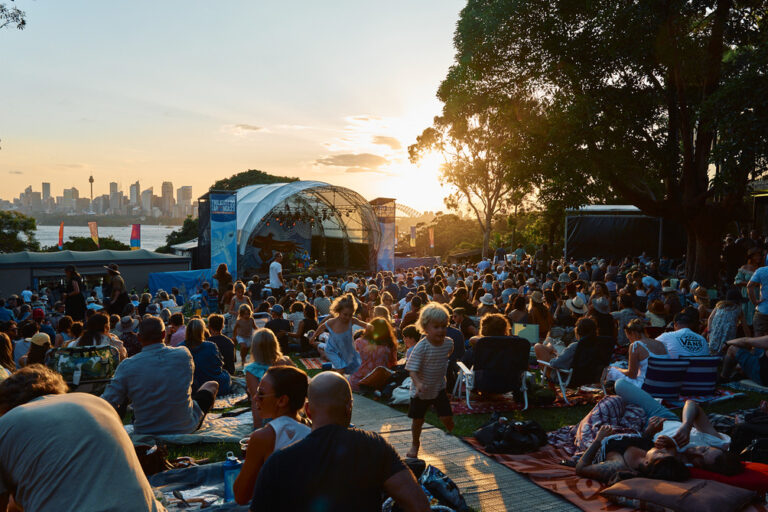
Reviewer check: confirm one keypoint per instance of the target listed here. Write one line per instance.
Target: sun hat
(487, 299)
(153, 309)
(537, 297)
(127, 324)
(601, 305)
(113, 268)
(668, 289)
(531, 280)
(308, 280)
(564, 278)
(576, 305)
(40, 339)
(301, 297)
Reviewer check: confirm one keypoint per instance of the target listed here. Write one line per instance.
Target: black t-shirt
(279, 324)
(333, 469)
(227, 349)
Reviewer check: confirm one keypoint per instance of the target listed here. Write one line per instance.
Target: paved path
(485, 484)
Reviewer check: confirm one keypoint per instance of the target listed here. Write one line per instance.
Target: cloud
(15, 172)
(72, 166)
(363, 118)
(243, 129)
(363, 161)
(354, 170)
(387, 141)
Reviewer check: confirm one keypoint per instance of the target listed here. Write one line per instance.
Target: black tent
(615, 231)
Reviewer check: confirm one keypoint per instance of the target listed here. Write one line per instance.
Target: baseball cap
(277, 308)
(38, 314)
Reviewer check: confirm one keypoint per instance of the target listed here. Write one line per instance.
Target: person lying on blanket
(665, 444)
(280, 395)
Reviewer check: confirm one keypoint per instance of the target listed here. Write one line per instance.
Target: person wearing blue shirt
(6, 315)
(209, 365)
(759, 280)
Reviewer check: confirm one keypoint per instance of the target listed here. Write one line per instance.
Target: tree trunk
(486, 240)
(707, 229)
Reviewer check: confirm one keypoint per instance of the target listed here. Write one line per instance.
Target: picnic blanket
(312, 363)
(492, 403)
(747, 385)
(228, 401)
(206, 482)
(215, 429)
(544, 469)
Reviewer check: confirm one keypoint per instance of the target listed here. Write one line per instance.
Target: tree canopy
(188, 231)
(659, 102)
(249, 177)
(85, 243)
(14, 224)
(12, 16)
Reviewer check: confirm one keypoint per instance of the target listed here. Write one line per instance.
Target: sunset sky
(192, 92)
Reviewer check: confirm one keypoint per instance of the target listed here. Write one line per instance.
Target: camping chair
(700, 377)
(664, 377)
(86, 369)
(592, 357)
(500, 367)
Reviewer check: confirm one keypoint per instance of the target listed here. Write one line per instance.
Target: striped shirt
(430, 362)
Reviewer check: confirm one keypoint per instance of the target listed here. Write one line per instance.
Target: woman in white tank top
(640, 350)
(281, 395)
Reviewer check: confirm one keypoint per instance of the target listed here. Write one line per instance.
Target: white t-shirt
(275, 268)
(684, 342)
(697, 438)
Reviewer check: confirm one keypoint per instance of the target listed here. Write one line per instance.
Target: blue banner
(189, 282)
(224, 230)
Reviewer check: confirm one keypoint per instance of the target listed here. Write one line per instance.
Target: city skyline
(203, 93)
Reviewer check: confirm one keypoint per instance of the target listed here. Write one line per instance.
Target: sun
(418, 185)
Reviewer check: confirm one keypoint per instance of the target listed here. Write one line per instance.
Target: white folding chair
(564, 378)
(466, 377)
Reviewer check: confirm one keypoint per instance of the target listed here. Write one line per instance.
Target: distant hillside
(249, 177)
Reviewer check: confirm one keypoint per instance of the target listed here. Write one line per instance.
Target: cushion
(377, 378)
(694, 494)
(664, 377)
(701, 376)
(754, 477)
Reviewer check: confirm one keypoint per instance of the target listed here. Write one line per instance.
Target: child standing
(427, 366)
(243, 331)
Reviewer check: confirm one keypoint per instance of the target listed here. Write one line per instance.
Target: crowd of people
(419, 322)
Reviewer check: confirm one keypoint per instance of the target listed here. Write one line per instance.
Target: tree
(476, 146)
(660, 101)
(189, 230)
(10, 16)
(250, 177)
(13, 224)
(86, 243)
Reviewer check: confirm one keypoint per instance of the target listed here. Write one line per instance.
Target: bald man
(335, 467)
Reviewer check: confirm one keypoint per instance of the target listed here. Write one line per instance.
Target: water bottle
(231, 468)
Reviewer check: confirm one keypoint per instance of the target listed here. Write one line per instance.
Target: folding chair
(700, 377)
(500, 367)
(664, 377)
(592, 356)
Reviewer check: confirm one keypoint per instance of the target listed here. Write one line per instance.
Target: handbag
(514, 437)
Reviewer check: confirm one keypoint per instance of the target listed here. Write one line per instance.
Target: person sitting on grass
(243, 331)
(208, 362)
(58, 449)
(340, 347)
(225, 345)
(280, 395)
(158, 381)
(377, 349)
(337, 467)
(427, 366)
(265, 352)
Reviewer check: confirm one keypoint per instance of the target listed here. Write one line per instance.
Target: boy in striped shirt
(427, 366)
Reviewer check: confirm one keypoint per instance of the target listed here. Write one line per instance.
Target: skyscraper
(46, 191)
(146, 200)
(114, 197)
(135, 193)
(166, 197)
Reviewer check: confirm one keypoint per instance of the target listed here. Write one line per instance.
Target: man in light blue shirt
(759, 280)
(158, 381)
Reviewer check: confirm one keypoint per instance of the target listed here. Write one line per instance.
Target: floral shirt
(373, 356)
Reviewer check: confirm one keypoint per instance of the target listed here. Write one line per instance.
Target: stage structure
(308, 221)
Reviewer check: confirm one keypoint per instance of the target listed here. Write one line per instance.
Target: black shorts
(418, 407)
(204, 399)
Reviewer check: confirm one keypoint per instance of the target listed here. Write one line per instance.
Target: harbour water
(152, 237)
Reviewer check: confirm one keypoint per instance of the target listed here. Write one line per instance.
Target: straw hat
(700, 294)
(301, 297)
(127, 324)
(576, 305)
(601, 305)
(537, 297)
(487, 299)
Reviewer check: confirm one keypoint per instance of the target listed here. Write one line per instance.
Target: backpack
(515, 437)
(83, 364)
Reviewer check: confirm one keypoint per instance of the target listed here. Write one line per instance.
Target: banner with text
(224, 230)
